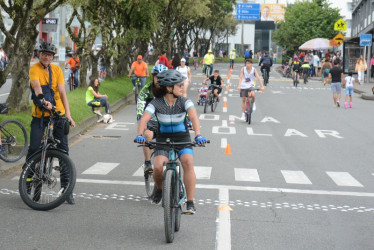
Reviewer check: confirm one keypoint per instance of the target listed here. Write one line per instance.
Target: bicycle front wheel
(150, 186)
(250, 112)
(214, 103)
(207, 102)
(47, 189)
(168, 196)
(14, 139)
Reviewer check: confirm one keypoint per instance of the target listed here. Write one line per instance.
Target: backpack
(246, 53)
(49, 94)
(266, 60)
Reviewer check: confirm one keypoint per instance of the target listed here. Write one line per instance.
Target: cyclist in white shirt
(186, 72)
(246, 83)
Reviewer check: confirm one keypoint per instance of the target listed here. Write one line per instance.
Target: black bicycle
(211, 100)
(48, 176)
(173, 189)
(249, 101)
(14, 138)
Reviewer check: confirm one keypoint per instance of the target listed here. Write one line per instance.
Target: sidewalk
(74, 132)
(364, 89)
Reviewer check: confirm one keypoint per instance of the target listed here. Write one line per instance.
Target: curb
(367, 97)
(76, 131)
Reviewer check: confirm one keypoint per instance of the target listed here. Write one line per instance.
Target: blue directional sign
(366, 40)
(248, 11)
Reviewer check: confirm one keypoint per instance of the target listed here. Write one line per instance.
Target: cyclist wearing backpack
(47, 79)
(265, 63)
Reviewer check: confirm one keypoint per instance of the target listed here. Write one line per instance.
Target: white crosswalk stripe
(344, 179)
(246, 174)
(101, 168)
(295, 177)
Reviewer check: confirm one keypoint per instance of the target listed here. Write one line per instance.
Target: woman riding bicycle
(171, 109)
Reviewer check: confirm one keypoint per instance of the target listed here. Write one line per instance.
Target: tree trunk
(83, 72)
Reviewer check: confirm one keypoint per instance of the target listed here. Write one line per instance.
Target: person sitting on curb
(95, 99)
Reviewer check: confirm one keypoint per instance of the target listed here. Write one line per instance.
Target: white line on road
(101, 168)
(246, 174)
(223, 142)
(223, 231)
(344, 179)
(237, 188)
(295, 177)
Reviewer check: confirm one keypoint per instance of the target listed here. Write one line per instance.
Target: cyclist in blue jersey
(171, 109)
(146, 95)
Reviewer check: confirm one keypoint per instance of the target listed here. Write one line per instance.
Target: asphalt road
(299, 177)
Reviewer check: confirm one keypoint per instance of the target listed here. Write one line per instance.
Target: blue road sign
(248, 11)
(366, 40)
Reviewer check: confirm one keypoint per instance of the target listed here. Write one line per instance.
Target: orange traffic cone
(227, 88)
(228, 150)
(225, 104)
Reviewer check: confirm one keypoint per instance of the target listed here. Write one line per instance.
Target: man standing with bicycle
(246, 84)
(208, 62)
(140, 69)
(48, 79)
(74, 63)
(266, 64)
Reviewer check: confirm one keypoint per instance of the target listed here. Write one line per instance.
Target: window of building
(349, 23)
(365, 22)
(350, 6)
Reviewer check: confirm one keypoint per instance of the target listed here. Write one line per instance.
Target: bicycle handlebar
(152, 144)
(53, 111)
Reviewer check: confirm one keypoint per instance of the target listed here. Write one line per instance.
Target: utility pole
(242, 50)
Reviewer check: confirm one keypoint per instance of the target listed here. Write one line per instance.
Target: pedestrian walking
(232, 58)
(360, 68)
(337, 77)
(349, 84)
(274, 58)
(326, 67)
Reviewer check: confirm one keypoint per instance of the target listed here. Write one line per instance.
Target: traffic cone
(228, 150)
(225, 104)
(227, 88)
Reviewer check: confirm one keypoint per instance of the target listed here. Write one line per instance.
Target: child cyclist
(349, 83)
(146, 95)
(171, 109)
(246, 84)
(203, 91)
(216, 83)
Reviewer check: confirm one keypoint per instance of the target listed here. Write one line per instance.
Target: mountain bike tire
(14, 139)
(150, 186)
(207, 103)
(179, 192)
(214, 104)
(40, 193)
(168, 189)
(250, 112)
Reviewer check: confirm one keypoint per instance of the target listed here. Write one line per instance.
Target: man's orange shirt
(139, 68)
(38, 73)
(72, 62)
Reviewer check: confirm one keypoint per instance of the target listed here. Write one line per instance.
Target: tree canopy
(304, 21)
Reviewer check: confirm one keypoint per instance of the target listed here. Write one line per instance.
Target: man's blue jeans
(210, 66)
(76, 78)
(142, 80)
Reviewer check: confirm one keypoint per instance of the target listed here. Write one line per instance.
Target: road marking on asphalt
(246, 174)
(202, 172)
(101, 168)
(223, 231)
(119, 125)
(344, 179)
(295, 177)
(223, 142)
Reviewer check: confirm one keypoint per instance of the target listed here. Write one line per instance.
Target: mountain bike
(72, 80)
(48, 176)
(173, 189)
(14, 138)
(249, 106)
(211, 101)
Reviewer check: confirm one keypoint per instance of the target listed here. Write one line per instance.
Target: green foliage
(304, 21)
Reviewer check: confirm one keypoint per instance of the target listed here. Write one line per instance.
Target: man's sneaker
(2, 150)
(148, 167)
(70, 199)
(190, 209)
(243, 116)
(157, 197)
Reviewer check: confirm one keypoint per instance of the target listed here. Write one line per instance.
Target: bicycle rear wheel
(179, 192)
(71, 86)
(14, 140)
(50, 189)
(168, 197)
(137, 91)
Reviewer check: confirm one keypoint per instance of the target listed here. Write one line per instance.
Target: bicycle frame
(172, 167)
